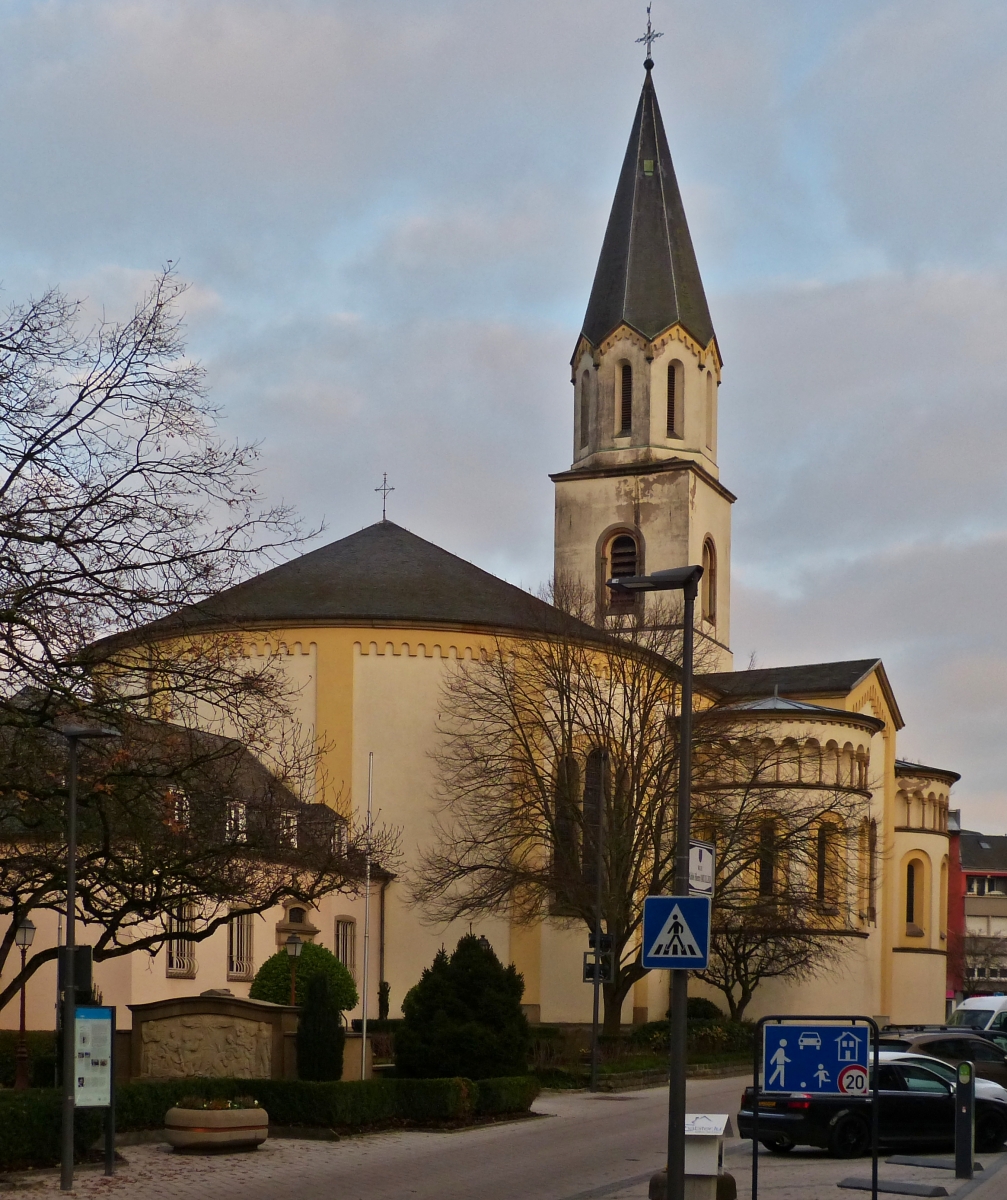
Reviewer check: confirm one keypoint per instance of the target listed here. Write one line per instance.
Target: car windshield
(971, 1018)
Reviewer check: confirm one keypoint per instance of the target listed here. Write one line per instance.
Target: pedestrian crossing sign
(676, 932)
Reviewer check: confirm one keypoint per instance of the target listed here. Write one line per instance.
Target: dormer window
(626, 406)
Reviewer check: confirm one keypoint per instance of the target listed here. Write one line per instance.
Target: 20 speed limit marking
(853, 1080)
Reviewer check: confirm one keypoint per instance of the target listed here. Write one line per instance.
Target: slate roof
(808, 679)
(380, 575)
(982, 851)
(904, 767)
(647, 274)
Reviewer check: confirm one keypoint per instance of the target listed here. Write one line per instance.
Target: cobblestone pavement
(581, 1147)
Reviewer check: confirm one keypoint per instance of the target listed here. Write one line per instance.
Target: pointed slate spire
(647, 274)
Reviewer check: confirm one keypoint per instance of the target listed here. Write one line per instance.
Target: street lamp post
(24, 937)
(684, 580)
(293, 946)
(73, 734)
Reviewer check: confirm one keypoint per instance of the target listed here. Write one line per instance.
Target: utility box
(704, 1159)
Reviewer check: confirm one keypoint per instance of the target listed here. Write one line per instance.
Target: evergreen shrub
(514, 1094)
(464, 1018)
(320, 1033)
(272, 980)
(41, 1057)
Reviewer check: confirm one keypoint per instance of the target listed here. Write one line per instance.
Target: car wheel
(991, 1132)
(849, 1137)
(778, 1145)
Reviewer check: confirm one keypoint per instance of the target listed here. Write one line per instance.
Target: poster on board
(93, 1035)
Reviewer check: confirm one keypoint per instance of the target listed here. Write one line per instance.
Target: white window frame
(236, 821)
(345, 943)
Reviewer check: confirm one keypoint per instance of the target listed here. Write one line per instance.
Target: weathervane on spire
(649, 39)
(384, 490)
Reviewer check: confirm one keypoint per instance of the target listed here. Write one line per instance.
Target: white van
(981, 1012)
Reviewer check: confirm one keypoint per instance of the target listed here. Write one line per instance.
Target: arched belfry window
(626, 402)
(585, 408)
(709, 581)
(623, 561)
(710, 410)
(676, 378)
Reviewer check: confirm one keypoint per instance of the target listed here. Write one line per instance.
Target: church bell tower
(643, 493)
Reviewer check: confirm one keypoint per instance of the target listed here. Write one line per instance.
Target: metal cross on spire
(384, 490)
(649, 38)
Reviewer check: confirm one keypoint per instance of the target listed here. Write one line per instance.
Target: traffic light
(603, 964)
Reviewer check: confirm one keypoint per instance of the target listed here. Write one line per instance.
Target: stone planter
(216, 1128)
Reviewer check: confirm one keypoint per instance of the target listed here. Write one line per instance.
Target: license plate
(767, 1104)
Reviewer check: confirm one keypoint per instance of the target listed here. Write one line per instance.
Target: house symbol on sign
(847, 1045)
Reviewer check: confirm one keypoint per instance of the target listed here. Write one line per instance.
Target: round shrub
(464, 1018)
(701, 1009)
(272, 981)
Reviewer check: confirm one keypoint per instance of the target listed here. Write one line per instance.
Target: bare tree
(554, 737)
(123, 512)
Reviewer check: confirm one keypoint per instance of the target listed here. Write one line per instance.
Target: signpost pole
(69, 988)
(678, 1032)
(110, 1111)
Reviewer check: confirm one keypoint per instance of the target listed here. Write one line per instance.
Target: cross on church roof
(384, 490)
(649, 38)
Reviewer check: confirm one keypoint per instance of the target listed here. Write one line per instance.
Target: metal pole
(367, 918)
(110, 1111)
(21, 1079)
(678, 1029)
(597, 931)
(69, 988)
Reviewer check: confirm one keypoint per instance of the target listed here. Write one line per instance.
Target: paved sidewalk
(581, 1147)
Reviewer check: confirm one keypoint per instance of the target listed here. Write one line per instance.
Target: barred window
(236, 823)
(181, 957)
(177, 803)
(240, 962)
(675, 379)
(346, 943)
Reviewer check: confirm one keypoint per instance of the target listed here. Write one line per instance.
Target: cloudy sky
(390, 214)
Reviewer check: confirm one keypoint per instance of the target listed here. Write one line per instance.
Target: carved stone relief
(205, 1044)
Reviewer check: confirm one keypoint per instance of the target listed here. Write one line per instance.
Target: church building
(370, 626)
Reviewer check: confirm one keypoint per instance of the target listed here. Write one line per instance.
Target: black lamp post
(684, 580)
(73, 735)
(24, 937)
(293, 946)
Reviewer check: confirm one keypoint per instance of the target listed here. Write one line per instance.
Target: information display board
(93, 1035)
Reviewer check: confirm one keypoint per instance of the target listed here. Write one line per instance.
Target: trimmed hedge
(508, 1095)
(352, 1104)
(41, 1056)
(31, 1128)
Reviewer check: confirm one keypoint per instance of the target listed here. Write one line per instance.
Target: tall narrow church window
(566, 839)
(585, 408)
(911, 894)
(767, 858)
(709, 581)
(595, 785)
(675, 376)
(626, 407)
(710, 410)
(623, 562)
(872, 871)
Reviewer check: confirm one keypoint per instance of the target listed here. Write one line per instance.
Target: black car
(915, 1106)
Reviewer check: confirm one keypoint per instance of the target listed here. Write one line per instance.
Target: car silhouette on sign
(809, 1041)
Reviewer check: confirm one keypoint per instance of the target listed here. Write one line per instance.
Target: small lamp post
(484, 942)
(24, 937)
(684, 580)
(293, 947)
